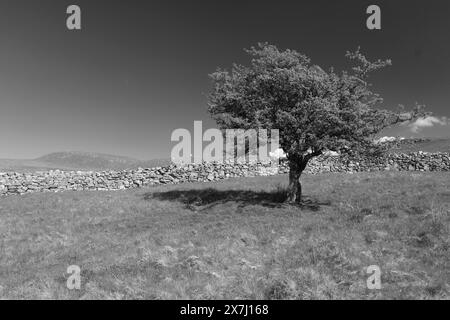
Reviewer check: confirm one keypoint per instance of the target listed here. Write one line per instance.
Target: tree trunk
(294, 192)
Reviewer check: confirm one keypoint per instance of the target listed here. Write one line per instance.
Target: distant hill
(86, 161)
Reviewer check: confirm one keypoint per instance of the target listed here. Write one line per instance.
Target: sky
(137, 70)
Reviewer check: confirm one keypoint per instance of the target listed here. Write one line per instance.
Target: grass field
(233, 239)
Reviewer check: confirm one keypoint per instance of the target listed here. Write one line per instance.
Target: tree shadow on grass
(198, 200)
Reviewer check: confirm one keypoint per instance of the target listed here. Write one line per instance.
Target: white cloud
(427, 122)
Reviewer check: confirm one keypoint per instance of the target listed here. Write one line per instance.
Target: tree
(313, 110)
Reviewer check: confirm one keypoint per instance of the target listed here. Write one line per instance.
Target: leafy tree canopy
(313, 109)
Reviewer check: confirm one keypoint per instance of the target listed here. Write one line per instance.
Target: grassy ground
(233, 239)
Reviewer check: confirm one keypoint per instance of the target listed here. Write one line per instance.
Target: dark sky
(139, 69)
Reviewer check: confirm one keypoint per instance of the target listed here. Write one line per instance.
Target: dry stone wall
(418, 161)
(57, 181)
